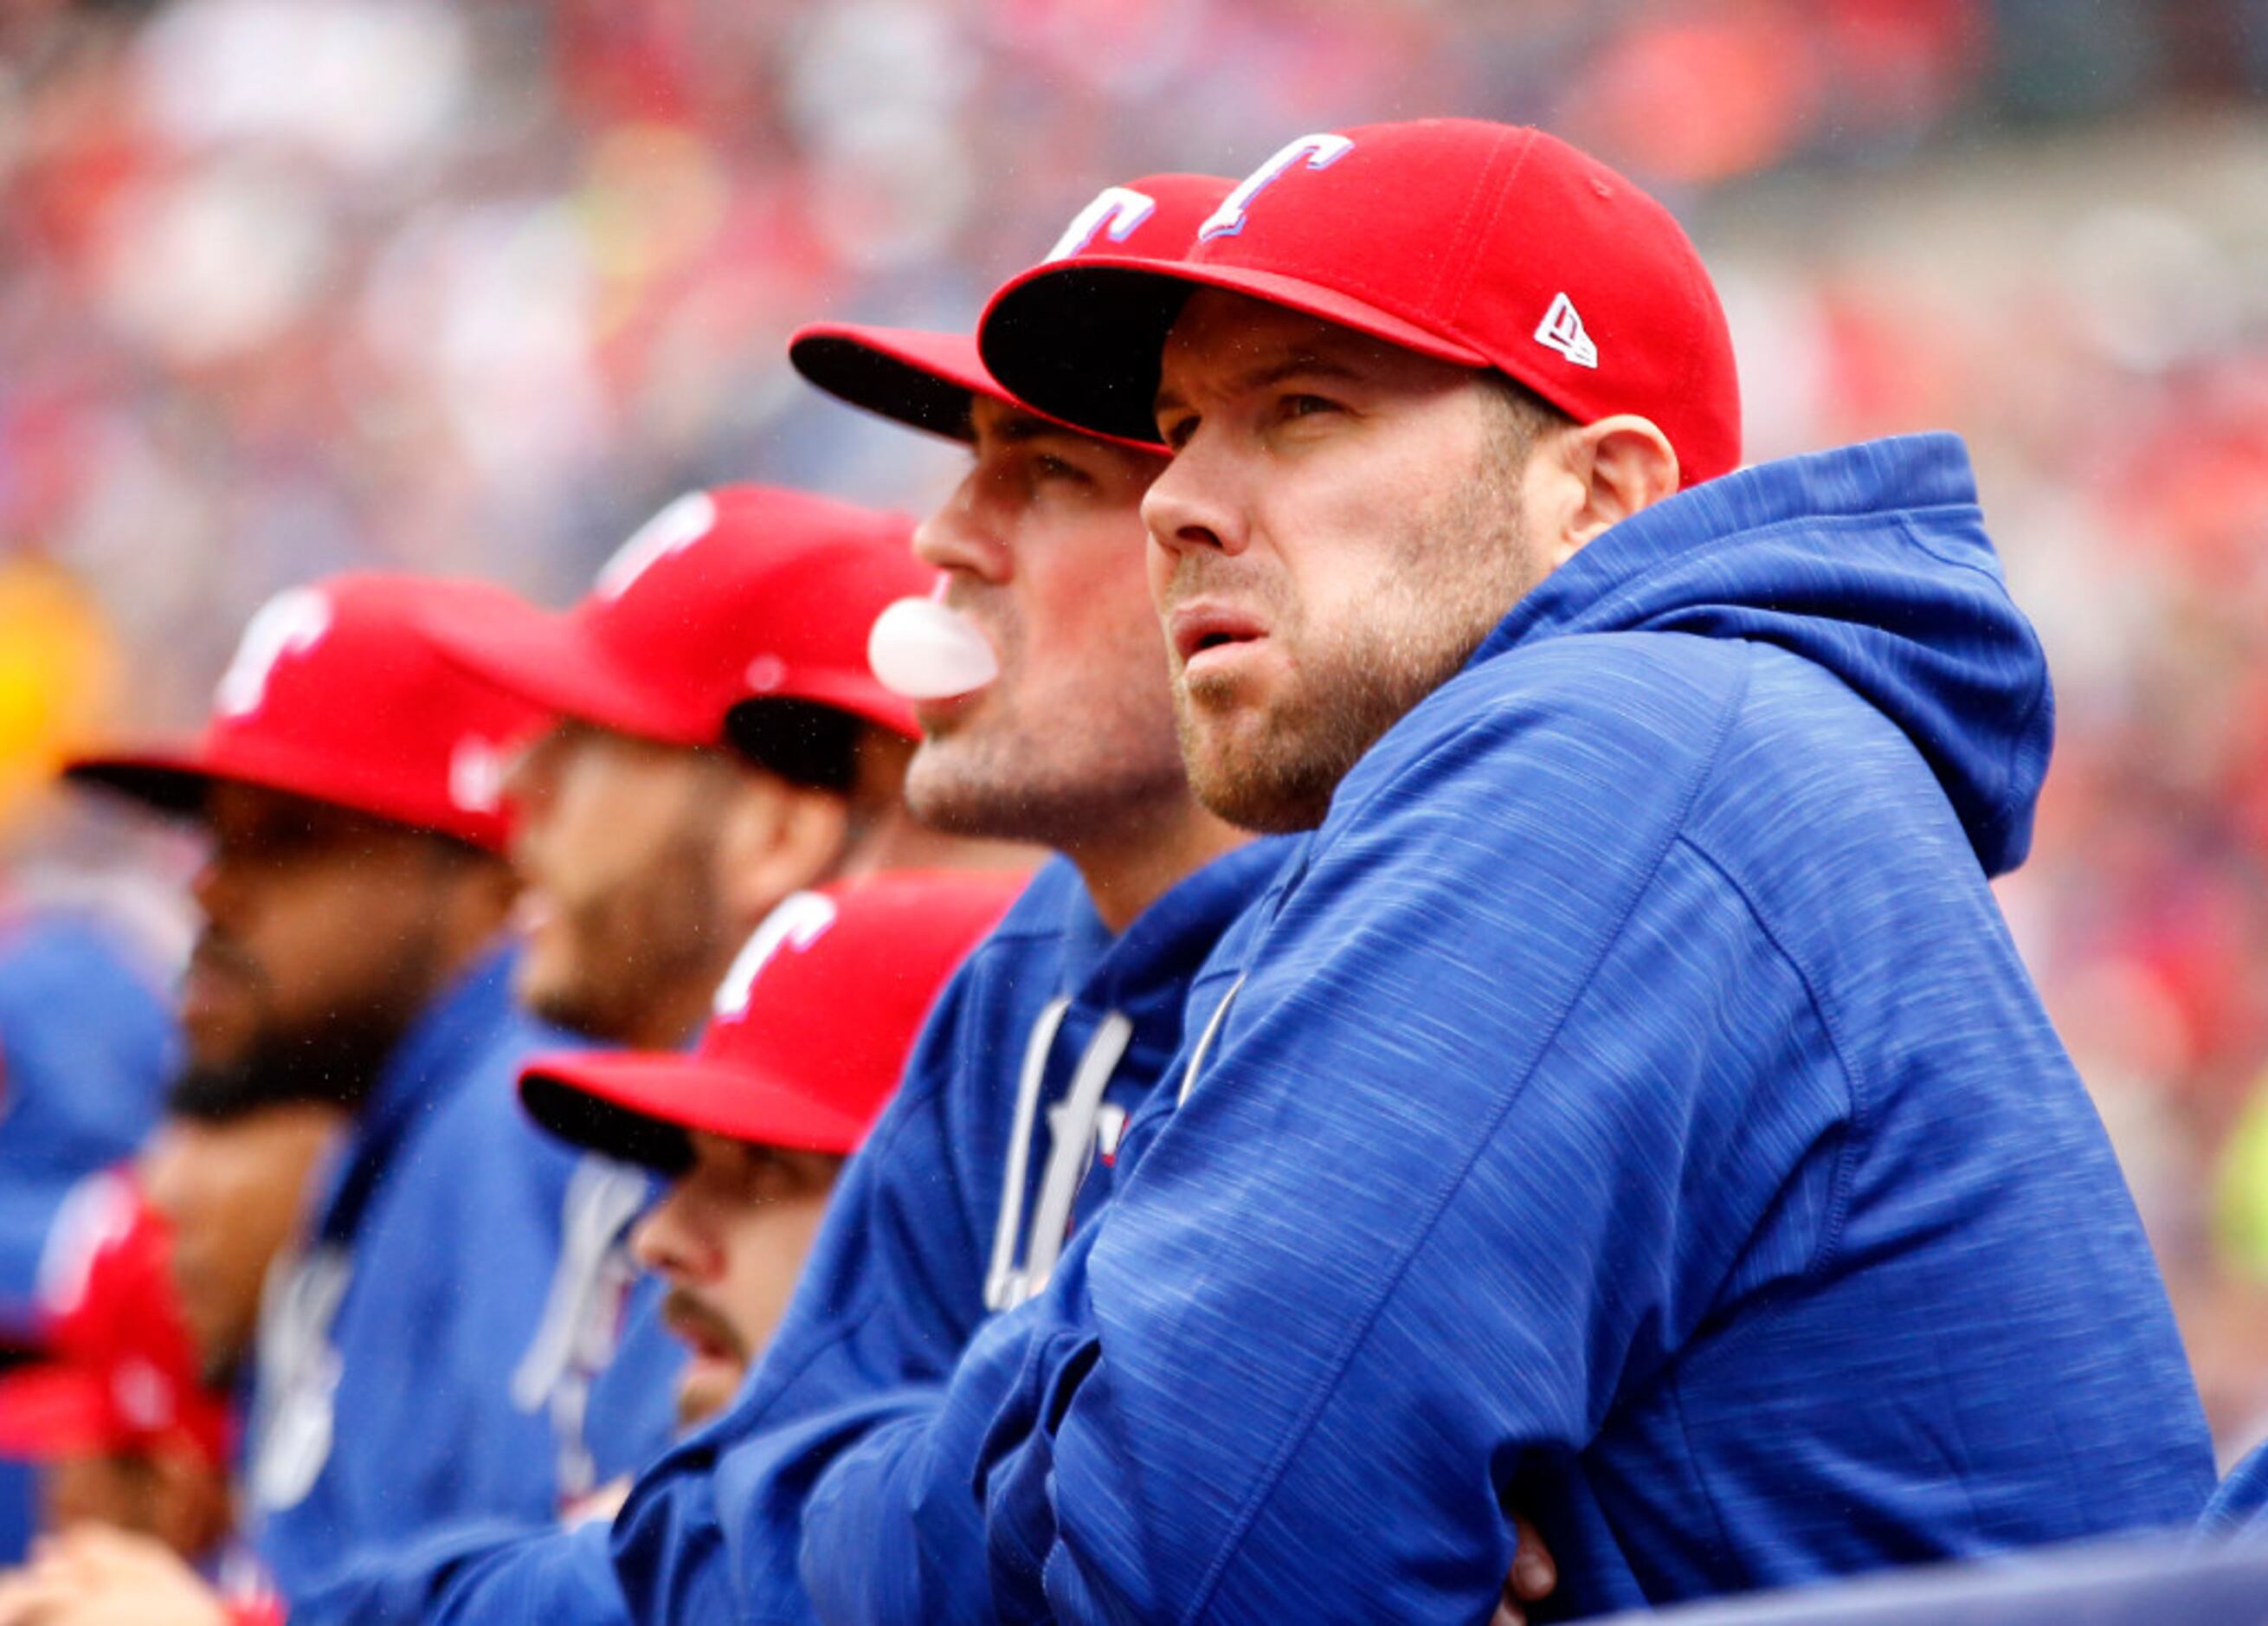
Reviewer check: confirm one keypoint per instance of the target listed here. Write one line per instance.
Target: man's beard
(1276, 769)
(334, 1060)
(1062, 770)
(641, 939)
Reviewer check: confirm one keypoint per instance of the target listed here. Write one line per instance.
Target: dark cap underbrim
(925, 381)
(1081, 340)
(640, 1106)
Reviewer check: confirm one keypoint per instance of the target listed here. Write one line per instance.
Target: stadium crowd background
(292, 285)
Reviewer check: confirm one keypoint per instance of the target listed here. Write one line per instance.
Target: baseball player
(648, 849)
(811, 1030)
(352, 904)
(1631, 1106)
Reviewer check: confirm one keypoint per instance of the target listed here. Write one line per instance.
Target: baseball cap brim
(861, 696)
(548, 661)
(1080, 340)
(639, 1106)
(175, 783)
(178, 782)
(53, 1410)
(925, 381)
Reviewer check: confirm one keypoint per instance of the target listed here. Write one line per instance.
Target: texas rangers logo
(291, 623)
(799, 921)
(672, 531)
(1115, 212)
(1319, 151)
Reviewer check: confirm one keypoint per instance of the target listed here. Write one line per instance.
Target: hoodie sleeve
(1515, 1093)
(889, 1297)
(892, 1532)
(493, 1574)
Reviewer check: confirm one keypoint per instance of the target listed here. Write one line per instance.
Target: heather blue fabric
(629, 1419)
(1635, 1112)
(86, 1045)
(473, 1572)
(632, 1416)
(444, 1212)
(2240, 1504)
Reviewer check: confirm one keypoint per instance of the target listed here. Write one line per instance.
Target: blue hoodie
(385, 1402)
(1634, 1112)
(86, 1048)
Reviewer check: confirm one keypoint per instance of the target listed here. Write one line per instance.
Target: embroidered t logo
(672, 531)
(1318, 152)
(1562, 329)
(1115, 212)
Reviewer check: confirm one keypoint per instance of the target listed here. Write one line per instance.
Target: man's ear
(1611, 470)
(777, 838)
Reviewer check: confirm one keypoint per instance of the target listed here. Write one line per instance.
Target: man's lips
(1197, 628)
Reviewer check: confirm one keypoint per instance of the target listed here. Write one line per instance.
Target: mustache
(693, 1317)
(1197, 573)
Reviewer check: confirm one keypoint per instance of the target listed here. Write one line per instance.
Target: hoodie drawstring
(1071, 1128)
(1002, 1282)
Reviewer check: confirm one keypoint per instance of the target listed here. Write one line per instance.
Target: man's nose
(1191, 504)
(957, 537)
(666, 1242)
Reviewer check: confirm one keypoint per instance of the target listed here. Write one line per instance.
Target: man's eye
(1049, 468)
(1177, 433)
(1307, 406)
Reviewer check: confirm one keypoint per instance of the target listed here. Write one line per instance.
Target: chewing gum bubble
(924, 651)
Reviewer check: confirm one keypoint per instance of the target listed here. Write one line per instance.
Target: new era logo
(1562, 329)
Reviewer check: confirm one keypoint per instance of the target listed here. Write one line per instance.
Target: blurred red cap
(810, 1028)
(122, 1372)
(926, 379)
(334, 695)
(1487, 245)
(737, 593)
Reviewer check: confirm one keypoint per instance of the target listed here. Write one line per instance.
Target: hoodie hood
(1143, 972)
(1871, 561)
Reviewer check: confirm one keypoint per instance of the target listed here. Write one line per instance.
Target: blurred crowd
(290, 287)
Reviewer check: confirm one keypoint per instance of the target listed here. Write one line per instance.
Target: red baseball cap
(123, 1373)
(926, 379)
(334, 695)
(736, 593)
(1487, 245)
(810, 1031)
